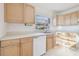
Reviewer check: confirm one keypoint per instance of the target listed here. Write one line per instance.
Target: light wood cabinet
(74, 18)
(19, 13)
(10, 51)
(78, 18)
(14, 12)
(60, 20)
(27, 46)
(50, 42)
(10, 48)
(18, 47)
(67, 19)
(29, 14)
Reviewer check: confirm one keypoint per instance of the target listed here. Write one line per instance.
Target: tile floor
(62, 51)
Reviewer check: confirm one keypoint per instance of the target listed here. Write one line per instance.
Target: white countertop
(17, 35)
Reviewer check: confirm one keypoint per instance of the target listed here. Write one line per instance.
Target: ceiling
(56, 6)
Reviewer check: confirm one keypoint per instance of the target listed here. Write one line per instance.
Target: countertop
(17, 35)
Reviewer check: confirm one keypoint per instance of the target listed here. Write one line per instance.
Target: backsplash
(12, 27)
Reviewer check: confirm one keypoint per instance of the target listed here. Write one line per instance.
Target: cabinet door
(74, 18)
(29, 14)
(10, 51)
(60, 20)
(67, 19)
(14, 12)
(0, 51)
(26, 47)
(78, 18)
(50, 42)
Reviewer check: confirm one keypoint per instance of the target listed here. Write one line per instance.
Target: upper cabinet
(19, 13)
(78, 18)
(14, 13)
(74, 18)
(68, 19)
(29, 12)
(60, 20)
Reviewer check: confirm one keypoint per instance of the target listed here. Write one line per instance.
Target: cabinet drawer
(26, 40)
(5, 43)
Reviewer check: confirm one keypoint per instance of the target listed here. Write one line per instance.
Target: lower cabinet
(27, 47)
(10, 51)
(50, 42)
(17, 47)
(10, 48)
(24, 46)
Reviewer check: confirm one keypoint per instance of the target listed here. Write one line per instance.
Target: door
(67, 20)
(10, 51)
(39, 45)
(29, 14)
(14, 12)
(27, 46)
(74, 18)
(60, 20)
(78, 18)
(26, 49)
(50, 42)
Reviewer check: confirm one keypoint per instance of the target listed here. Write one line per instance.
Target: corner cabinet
(19, 13)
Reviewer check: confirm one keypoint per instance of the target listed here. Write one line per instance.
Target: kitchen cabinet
(39, 45)
(78, 18)
(60, 20)
(67, 19)
(74, 18)
(26, 46)
(10, 48)
(18, 47)
(19, 13)
(14, 12)
(50, 42)
(29, 12)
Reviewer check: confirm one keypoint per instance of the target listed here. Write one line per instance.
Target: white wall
(12, 27)
(2, 25)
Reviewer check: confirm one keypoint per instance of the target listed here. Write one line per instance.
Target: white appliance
(39, 45)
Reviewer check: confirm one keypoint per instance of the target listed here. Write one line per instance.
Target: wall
(2, 24)
(12, 27)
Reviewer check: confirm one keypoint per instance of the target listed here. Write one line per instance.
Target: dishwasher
(39, 45)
